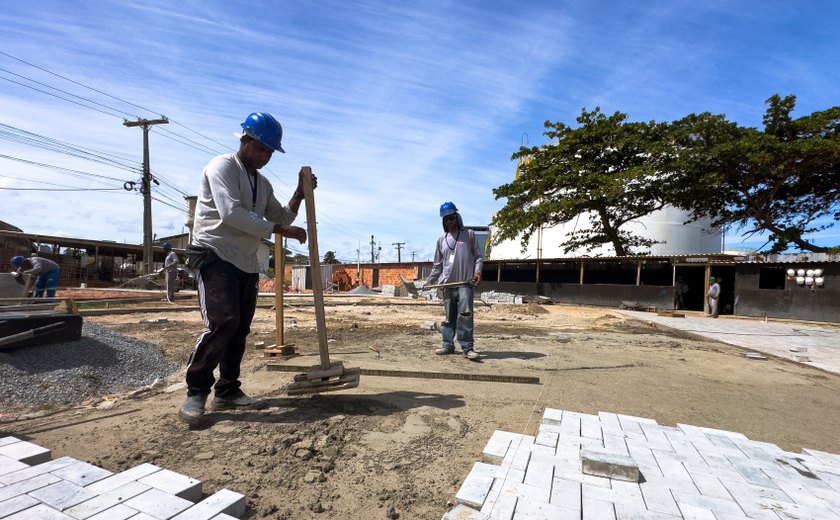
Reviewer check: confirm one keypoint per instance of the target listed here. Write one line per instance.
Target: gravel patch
(101, 362)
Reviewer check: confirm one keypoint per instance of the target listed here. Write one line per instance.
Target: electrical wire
(174, 136)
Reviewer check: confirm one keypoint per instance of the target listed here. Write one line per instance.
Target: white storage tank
(666, 225)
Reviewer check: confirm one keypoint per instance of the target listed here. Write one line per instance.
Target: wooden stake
(315, 267)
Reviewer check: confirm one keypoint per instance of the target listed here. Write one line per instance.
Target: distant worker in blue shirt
(44, 269)
(458, 261)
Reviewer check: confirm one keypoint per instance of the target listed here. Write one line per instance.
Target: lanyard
(253, 190)
(446, 239)
(252, 184)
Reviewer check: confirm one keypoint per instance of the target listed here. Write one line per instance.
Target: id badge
(451, 258)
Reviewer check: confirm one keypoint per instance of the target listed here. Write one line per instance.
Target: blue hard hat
(167, 245)
(265, 129)
(447, 208)
(17, 261)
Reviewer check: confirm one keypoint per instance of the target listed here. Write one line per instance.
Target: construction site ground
(401, 447)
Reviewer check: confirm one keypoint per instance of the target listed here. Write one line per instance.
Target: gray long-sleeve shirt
(39, 266)
(457, 258)
(228, 220)
(170, 265)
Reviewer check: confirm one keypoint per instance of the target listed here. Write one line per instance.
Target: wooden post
(315, 266)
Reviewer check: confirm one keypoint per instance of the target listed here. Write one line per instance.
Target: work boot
(237, 400)
(442, 351)
(192, 411)
(472, 355)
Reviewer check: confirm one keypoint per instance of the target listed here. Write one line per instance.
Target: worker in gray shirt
(459, 261)
(235, 210)
(45, 270)
(170, 270)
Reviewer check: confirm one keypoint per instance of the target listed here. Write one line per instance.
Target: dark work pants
(228, 299)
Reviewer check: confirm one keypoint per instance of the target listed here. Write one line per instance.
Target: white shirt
(228, 219)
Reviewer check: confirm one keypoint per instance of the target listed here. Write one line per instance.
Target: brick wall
(389, 274)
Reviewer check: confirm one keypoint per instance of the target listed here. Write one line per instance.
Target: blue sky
(397, 108)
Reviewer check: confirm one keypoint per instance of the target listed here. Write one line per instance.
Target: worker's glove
(16, 274)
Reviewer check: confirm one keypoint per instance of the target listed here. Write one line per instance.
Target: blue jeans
(458, 317)
(46, 283)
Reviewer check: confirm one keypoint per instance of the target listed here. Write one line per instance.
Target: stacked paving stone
(610, 466)
(391, 290)
(34, 487)
(500, 297)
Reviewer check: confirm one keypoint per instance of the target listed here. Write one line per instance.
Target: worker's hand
(476, 279)
(15, 274)
(300, 182)
(298, 233)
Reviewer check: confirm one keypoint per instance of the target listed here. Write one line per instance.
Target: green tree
(783, 180)
(329, 258)
(607, 169)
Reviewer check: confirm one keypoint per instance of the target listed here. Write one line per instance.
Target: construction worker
(713, 296)
(680, 288)
(170, 269)
(235, 210)
(45, 269)
(459, 261)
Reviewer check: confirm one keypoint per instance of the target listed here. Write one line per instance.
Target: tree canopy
(607, 168)
(783, 180)
(329, 258)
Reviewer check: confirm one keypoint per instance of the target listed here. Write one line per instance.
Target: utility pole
(399, 248)
(146, 189)
(412, 255)
(372, 254)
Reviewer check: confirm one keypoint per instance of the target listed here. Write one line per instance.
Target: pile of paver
(612, 466)
(34, 487)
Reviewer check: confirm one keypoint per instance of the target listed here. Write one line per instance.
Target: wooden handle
(315, 267)
(279, 269)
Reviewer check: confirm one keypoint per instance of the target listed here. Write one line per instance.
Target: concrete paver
(687, 472)
(781, 339)
(66, 488)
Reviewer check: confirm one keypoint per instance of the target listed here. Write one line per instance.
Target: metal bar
(493, 378)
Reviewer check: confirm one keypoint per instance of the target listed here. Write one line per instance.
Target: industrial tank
(666, 225)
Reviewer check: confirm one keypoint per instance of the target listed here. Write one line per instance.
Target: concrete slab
(776, 338)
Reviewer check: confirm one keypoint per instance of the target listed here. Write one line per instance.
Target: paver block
(474, 490)
(224, 501)
(39, 512)
(158, 504)
(26, 452)
(118, 512)
(610, 465)
(107, 500)
(497, 447)
(62, 495)
(462, 512)
(552, 416)
(18, 503)
(82, 473)
(8, 465)
(501, 501)
(34, 471)
(223, 517)
(25, 486)
(174, 484)
(8, 440)
(123, 478)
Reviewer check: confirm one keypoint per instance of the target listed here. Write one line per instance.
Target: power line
(176, 137)
(74, 82)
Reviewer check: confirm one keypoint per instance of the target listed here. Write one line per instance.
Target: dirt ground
(400, 447)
